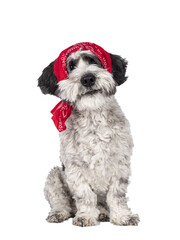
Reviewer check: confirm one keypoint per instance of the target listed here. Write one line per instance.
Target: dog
(96, 144)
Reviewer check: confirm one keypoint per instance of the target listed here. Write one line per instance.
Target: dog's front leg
(120, 214)
(86, 200)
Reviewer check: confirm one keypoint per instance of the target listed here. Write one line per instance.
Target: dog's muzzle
(88, 80)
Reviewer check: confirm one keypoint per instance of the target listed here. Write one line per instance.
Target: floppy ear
(119, 66)
(48, 80)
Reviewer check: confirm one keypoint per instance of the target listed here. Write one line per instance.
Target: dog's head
(88, 84)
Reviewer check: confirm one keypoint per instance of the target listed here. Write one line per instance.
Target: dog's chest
(95, 143)
(97, 140)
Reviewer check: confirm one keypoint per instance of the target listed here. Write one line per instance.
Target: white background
(146, 33)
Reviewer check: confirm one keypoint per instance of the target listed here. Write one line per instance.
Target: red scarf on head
(63, 110)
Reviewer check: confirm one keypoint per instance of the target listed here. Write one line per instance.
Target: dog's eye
(90, 60)
(72, 65)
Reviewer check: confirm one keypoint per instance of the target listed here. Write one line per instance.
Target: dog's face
(88, 85)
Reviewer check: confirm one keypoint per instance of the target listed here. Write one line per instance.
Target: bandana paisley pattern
(61, 112)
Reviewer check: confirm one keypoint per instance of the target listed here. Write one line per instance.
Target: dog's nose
(88, 80)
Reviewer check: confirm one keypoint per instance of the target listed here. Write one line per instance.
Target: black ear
(119, 66)
(48, 80)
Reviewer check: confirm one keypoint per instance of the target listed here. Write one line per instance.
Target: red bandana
(62, 110)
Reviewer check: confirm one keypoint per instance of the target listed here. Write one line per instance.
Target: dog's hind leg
(103, 214)
(103, 209)
(57, 194)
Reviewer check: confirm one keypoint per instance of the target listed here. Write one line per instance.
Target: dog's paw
(57, 217)
(85, 221)
(133, 220)
(103, 217)
(127, 220)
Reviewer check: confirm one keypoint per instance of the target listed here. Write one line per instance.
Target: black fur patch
(48, 80)
(119, 66)
(63, 167)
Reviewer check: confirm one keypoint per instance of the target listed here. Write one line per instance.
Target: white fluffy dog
(96, 146)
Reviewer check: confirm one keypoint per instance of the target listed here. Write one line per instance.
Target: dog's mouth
(91, 92)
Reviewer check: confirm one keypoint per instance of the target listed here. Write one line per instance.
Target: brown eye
(72, 65)
(92, 61)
